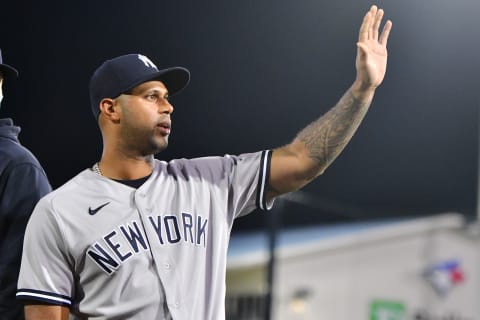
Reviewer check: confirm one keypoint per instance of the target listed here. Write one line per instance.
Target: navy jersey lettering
(157, 226)
(171, 227)
(103, 259)
(201, 230)
(187, 224)
(134, 237)
(115, 246)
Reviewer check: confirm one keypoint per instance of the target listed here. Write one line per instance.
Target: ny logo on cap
(147, 62)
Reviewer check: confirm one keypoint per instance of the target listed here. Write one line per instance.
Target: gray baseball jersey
(109, 251)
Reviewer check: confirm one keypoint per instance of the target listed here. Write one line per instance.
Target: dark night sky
(261, 70)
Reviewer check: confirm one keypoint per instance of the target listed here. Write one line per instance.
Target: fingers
(385, 33)
(371, 25)
(376, 24)
(363, 33)
(372, 16)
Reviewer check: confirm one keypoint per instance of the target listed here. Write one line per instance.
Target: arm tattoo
(327, 136)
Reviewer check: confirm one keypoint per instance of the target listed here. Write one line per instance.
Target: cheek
(138, 117)
(144, 113)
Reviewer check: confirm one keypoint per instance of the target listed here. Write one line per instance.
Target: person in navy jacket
(22, 183)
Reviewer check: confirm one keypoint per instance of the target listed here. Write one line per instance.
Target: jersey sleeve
(46, 269)
(249, 180)
(236, 183)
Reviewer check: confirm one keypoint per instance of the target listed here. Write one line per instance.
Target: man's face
(145, 118)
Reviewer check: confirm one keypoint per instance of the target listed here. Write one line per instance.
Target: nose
(166, 107)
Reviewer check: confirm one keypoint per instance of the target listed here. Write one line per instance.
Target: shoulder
(73, 188)
(15, 154)
(195, 167)
(20, 169)
(209, 162)
(204, 167)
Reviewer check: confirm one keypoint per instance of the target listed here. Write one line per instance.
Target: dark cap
(121, 74)
(7, 71)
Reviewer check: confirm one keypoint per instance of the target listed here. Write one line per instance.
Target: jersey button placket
(140, 202)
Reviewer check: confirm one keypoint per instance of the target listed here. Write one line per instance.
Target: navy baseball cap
(7, 71)
(121, 74)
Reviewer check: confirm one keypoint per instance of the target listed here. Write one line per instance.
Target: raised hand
(371, 61)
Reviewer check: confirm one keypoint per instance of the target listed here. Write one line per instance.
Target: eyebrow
(153, 90)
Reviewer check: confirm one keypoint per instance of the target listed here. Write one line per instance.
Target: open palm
(371, 61)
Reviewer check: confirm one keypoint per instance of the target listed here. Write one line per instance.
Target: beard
(157, 145)
(143, 141)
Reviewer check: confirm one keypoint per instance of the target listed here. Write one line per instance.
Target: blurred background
(261, 71)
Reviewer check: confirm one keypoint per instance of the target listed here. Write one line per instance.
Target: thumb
(362, 50)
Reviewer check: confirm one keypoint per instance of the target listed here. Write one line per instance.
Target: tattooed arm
(316, 146)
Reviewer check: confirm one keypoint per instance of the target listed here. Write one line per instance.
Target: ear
(109, 109)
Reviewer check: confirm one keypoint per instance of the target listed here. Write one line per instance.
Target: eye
(152, 97)
(166, 97)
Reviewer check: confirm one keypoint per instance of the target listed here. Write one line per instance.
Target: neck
(125, 168)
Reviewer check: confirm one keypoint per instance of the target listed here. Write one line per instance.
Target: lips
(164, 127)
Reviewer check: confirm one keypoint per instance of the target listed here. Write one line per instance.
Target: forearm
(326, 137)
(45, 312)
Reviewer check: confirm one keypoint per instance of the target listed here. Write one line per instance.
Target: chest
(108, 234)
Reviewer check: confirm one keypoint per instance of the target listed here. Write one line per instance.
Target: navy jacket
(22, 183)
